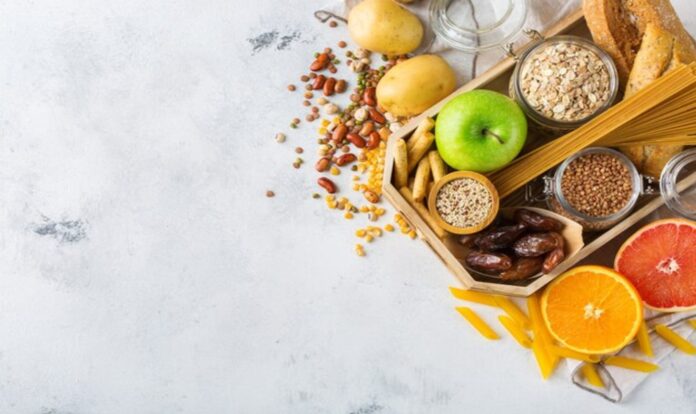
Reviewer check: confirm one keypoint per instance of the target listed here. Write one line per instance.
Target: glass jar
(552, 192)
(678, 184)
(546, 123)
(475, 26)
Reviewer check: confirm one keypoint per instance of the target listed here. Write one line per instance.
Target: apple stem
(490, 133)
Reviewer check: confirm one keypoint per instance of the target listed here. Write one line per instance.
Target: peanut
(322, 164)
(327, 185)
(329, 86)
(339, 133)
(371, 196)
(341, 86)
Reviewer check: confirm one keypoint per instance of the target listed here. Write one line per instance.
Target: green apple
(480, 131)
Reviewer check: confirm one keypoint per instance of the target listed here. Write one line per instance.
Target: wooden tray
(497, 78)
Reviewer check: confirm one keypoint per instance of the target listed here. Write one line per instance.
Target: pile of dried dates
(516, 251)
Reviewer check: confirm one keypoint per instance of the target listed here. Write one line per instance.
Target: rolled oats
(565, 82)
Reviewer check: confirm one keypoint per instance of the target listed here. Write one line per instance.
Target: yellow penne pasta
(591, 375)
(692, 322)
(676, 340)
(516, 331)
(478, 323)
(512, 310)
(630, 363)
(541, 335)
(471, 296)
(542, 359)
(569, 353)
(644, 340)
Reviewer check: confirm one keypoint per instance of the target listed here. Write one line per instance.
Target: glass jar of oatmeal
(564, 81)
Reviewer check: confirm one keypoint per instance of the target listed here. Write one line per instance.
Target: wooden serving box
(448, 249)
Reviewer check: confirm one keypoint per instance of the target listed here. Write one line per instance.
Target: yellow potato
(415, 85)
(384, 26)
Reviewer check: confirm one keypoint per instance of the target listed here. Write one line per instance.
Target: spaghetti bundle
(664, 112)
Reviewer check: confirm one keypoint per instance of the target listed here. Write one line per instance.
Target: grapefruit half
(660, 261)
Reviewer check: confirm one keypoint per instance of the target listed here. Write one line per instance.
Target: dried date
(488, 262)
(536, 221)
(535, 244)
(523, 268)
(500, 238)
(553, 259)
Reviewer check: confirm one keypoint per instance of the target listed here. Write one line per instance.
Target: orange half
(592, 309)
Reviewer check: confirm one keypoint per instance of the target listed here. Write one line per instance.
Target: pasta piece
(569, 353)
(471, 296)
(591, 375)
(541, 334)
(478, 323)
(630, 363)
(516, 331)
(542, 359)
(644, 340)
(676, 340)
(692, 322)
(512, 310)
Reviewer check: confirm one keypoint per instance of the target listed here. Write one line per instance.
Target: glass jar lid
(475, 26)
(678, 184)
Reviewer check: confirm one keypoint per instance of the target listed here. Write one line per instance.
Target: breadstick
(400, 164)
(418, 151)
(421, 181)
(437, 166)
(426, 125)
(423, 212)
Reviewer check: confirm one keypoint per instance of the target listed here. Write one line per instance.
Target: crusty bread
(614, 32)
(655, 57)
(618, 26)
(652, 59)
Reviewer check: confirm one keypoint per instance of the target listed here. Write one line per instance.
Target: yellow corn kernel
(398, 217)
(379, 211)
(630, 363)
(675, 339)
(516, 331)
(478, 323)
(335, 171)
(644, 340)
(325, 122)
(389, 227)
(592, 376)
(364, 209)
(359, 250)
(330, 197)
(412, 234)
(512, 310)
(360, 232)
(376, 231)
(356, 187)
(405, 230)
(322, 131)
(348, 215)
(369, 238)
(332, 205)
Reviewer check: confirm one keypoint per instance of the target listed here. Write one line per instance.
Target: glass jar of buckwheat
(563, 82)
(596, 187)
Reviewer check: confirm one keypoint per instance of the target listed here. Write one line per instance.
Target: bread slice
(613, 31)
(654, 58)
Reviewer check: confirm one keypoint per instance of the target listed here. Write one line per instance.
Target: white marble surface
(143, 270)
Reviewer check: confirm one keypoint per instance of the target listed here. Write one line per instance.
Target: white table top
(143, 270)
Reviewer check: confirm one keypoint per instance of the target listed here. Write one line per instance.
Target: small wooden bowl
(432, 198)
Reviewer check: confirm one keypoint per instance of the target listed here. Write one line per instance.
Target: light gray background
(142, 269)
